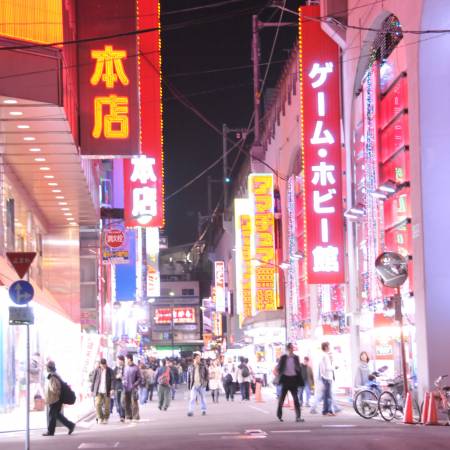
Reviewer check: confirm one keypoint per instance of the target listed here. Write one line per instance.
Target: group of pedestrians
(298, 378)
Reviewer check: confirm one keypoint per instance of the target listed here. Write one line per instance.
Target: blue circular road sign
(21, 292)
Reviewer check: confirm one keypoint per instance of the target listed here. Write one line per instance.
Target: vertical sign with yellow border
(260, 187)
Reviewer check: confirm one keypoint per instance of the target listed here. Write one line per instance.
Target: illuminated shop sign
(217, 324)
(262, 241)
(108, 79)
(115, 247)
(243, 230)
(141, 200)
(321, 141)
(180, 315)
(219, 271)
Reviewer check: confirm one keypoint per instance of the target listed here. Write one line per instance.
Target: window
(187, 292)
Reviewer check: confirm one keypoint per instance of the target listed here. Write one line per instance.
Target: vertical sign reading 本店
(262, 241)
(219, 279)
(243, 231)
(320, 113)
(108, 78)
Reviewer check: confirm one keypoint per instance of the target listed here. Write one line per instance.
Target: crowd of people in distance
(128, 385)
(131, 384)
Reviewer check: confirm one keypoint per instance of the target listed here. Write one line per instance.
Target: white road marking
(95, 445)
(290, 431)
(343, 425)
(218, 433)
(259, 409)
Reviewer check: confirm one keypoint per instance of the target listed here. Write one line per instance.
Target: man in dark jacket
(101, 388)
(117, 386)
(197, 380)
(131, 382)
(165, 380)
(291, 378)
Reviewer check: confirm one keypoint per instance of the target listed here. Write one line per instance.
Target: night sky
(200, 61)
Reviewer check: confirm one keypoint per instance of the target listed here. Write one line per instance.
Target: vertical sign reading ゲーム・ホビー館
(321, 146)
(108, 78)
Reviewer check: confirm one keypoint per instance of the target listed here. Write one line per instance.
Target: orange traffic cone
(258, 393)
(408, 411)
(426, 406)
(432, 412)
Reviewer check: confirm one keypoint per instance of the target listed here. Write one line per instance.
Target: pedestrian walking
(117, 386)
(164, 378)
(101, 389)
(151, 382)
(174, 376)
(53, 399)
(291, 379)
(197, 380)
(326, 376)
(229, 373)
(308, 378)
(244, 379)
(215, 380)
(143, 386)
(131, 382)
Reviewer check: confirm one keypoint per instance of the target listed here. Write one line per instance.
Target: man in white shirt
(326, 376)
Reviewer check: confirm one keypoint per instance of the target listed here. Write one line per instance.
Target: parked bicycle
(389, 402)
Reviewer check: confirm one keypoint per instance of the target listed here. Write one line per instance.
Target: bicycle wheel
(387, 406)
(365, 404)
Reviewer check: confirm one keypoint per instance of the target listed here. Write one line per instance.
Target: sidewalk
(16, 419)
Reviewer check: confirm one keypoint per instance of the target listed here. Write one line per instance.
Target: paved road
(237, 425)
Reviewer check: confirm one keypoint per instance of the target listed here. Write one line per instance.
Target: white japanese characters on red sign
(321, 147)
(141, 189)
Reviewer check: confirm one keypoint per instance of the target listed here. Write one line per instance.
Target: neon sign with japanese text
(263, 242)
(321, 144)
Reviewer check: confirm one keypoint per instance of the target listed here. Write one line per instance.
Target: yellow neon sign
(114, 125)
(109, 67)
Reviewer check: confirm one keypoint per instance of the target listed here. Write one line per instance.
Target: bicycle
(391, 402)
(365, 401)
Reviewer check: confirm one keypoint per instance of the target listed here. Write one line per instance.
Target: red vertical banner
(320, 113)
(108, 78)
(151, 119)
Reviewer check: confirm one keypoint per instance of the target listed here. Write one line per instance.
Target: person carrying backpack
(164, 378)
(56, 394)
(244, 379)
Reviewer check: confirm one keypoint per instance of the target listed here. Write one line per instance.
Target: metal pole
(171, 333)
(27, 432)
(402, 342)
(256, 93)
(144, 264)
(225, 168)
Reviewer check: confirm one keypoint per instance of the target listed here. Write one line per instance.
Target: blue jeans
(199, 391)
(143, 395)
(119, 405)
(327, 408)
(307, 390)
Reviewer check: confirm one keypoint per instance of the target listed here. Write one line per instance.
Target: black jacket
(298, 369)
(97, 378)
(204, 377)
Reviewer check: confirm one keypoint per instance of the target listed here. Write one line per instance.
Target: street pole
(225, 168)
(27, 436)
(399, 316)
(171, 331)
(256, 50)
